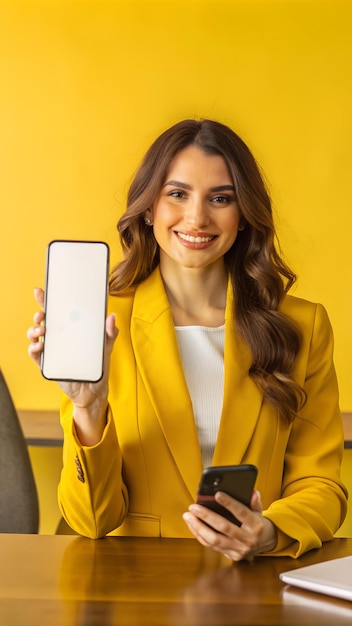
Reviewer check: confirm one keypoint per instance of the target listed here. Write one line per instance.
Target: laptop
(333, 578)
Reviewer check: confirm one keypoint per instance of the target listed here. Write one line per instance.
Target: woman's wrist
(90, 422)
(269, 536)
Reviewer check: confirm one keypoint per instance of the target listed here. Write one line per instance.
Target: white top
(202, 353)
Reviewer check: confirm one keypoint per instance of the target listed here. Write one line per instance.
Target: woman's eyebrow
(223, 188)
(177, 183)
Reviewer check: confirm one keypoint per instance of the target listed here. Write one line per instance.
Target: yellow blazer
(145, 471)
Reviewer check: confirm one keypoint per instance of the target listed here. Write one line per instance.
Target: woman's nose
(196, 213)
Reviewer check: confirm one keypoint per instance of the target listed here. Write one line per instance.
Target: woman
(213, 364)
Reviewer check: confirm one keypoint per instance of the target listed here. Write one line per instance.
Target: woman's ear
(243, 223)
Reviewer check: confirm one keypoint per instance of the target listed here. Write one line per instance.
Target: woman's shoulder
(121, 304)
(295, 303)
(147, 300)
(305, 312)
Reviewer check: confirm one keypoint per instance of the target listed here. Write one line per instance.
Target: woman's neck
(196, 296)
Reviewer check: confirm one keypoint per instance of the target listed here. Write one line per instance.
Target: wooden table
(42, 428)
(73, 581)
(347, 427)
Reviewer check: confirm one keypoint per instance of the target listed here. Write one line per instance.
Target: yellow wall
(46, 463)
(346, 473)
(86, 86)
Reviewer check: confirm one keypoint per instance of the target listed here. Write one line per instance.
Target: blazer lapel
(242, 398)
(159, 362)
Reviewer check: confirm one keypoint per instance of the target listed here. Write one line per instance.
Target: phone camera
(212, 481)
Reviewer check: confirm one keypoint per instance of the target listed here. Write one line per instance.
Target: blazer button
(80, 473)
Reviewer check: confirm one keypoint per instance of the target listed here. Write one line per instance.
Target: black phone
(236, 480)
(75, 310)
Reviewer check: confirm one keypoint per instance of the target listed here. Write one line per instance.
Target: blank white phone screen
(75, 309)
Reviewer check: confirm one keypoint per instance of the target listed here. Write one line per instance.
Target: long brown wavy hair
(259, 276)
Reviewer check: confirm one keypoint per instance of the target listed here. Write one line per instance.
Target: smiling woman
(204, 156)
(210, 361)
(195, 223)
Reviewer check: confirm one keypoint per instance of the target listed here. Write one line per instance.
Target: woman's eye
(176, 194)
(221, 199)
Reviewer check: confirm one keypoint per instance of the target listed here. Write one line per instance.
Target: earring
(147, 221)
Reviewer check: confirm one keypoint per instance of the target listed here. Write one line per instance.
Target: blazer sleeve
(89, 476)
(314, 500)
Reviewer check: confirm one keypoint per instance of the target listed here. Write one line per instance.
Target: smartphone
(76, 289)
(236, 480)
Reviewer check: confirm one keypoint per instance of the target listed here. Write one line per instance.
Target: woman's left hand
(255, 535)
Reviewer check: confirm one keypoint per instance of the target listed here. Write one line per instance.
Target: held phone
(75, 310)
(236, 480)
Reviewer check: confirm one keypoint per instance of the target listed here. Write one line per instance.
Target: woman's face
(196, 217)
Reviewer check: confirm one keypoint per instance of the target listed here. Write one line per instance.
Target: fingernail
(195, 509)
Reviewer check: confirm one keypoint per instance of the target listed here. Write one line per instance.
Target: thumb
(39, 295)
(256, 502)
(111, 331)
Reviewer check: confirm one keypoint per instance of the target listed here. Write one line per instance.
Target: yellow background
(86, 86)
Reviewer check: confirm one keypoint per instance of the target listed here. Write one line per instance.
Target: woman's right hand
(90, 400)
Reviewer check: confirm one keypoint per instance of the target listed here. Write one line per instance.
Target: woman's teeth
(192, 239)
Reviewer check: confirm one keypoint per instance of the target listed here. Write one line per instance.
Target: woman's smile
(196, 241)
